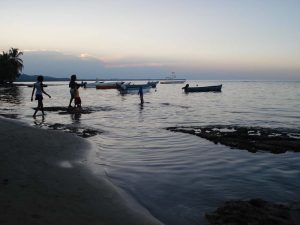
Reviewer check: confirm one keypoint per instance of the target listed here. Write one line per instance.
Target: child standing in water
(77, 98)
(73, 86)
(38, 87)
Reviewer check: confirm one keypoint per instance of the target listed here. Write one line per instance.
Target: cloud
(57, 64)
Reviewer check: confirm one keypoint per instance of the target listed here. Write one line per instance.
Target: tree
(11, 65)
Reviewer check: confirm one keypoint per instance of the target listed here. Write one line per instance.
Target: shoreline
(45, 179)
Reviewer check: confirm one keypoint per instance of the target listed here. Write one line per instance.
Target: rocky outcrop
(252, 139)
(79, 131)
(74, 110)
(254, 212)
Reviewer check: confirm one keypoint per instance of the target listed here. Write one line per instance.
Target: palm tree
(11, 65)
(16, 62)
(4, 67)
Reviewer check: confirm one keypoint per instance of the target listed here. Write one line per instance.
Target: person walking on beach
(39, 90)
(73, 86)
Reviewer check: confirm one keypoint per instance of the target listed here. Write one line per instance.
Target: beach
(45, 179)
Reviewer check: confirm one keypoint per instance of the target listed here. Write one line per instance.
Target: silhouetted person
(186, 87)
(73, 86)
(77, 98)
(141, 95)
(39, 90)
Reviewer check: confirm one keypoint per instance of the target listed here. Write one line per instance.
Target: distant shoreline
(32, 78)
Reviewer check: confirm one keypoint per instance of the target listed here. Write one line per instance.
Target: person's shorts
(39, 97)
(77, 100)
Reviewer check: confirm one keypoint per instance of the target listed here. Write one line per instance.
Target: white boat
(108, 85)
(92, 85)
(152, 83)
(133, 88)
(172, 80)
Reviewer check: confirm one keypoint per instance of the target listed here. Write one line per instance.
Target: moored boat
(92, 85)
(152, 83)
(172, 80)
(215, 88)
(108, 85)
(133, 88)
(31, 85)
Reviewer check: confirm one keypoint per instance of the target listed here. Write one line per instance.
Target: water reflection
(141, 108)
(75, 117)
(10, 95)
(39, 121)
(179, 172)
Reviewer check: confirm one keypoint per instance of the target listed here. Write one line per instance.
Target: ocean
(179, 177)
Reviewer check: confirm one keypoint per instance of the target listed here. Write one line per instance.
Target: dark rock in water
(68, 110)
(10, 116)
(180, 106)
(82, 132)
(72, 110)
(252, 139)
(253, 212)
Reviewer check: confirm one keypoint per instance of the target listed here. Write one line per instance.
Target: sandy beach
(44, 179)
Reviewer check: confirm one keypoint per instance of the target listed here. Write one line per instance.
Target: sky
(197, 39)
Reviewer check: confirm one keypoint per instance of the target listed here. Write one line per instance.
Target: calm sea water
(178, 177)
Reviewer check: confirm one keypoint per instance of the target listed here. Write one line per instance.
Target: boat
(31, 85)
(152, 83)
(172, 80)
(92, 85)
(108, 85)
(133, 88)
(216, 88)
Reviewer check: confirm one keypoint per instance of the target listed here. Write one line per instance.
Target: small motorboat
(31, 85)
(133, 88)
(153, 83)
(108, 85)
(216, 88)
(172, 80)
(92, 85)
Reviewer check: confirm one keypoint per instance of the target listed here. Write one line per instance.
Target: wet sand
(45, 179)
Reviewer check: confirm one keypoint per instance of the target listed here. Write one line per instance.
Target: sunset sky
(217, 39)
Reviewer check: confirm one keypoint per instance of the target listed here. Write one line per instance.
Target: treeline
(11, 65)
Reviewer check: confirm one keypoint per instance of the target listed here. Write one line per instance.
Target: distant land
(25, 78)
(31, 78)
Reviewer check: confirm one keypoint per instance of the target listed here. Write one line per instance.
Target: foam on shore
(44, 180)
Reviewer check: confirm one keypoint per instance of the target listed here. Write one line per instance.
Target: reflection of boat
(172, 80)
(216, 88)
(153, 83)
(108, 85)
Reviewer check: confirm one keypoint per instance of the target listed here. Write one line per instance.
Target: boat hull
(92, 85)
(172, 81)
(107, 85)
(217, 88)
(134, 90)
(152, 83)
